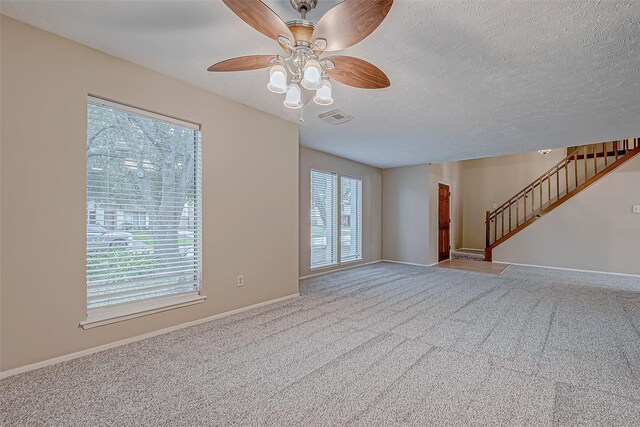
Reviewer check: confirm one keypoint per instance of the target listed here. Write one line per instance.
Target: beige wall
(594, 230)
(405, 214)
(494, 180)
(251, 169)
(450, 174)
(410, 211)
(371, 205)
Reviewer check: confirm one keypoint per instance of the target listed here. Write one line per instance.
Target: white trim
(60, 359)
(469, 249)
(106, 315)
(409, 263)
(141, 111)
(569, 269)
(340, 269)
(321, 266)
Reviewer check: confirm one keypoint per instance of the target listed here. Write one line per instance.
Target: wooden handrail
(561, 164)
(536, 205)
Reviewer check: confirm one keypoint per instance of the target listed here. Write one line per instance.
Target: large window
(143, 210)
(323, 219)
(351, 219)
(330, 219)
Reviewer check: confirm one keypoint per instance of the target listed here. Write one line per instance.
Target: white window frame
(338, 222)
(334, 216)
(357, 257)
(123, 311)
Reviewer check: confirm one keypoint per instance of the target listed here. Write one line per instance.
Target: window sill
(320, 267)
(107, 315)
(351, 261)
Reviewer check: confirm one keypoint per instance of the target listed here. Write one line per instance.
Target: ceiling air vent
(335, 117)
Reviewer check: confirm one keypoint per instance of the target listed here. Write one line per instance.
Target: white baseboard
(409, 263)
(339, 269)
(569, 269)
(59, 359)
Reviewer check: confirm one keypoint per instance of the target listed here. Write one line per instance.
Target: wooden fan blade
(243, 63)
(357, 73)
(261, 17)
(350, 22)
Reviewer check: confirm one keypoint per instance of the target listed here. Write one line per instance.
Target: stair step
(468, 254)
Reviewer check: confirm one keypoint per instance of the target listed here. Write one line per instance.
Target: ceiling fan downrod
(304, 6)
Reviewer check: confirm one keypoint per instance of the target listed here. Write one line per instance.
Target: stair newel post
(604, 153)
(488, 229)
(487, 248)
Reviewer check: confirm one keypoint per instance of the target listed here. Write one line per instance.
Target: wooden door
(444, 222)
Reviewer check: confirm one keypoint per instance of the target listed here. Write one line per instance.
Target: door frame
(440, 182)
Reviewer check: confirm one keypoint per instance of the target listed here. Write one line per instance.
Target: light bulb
(312, 75)
(294, 97)
(323, 95)
(277, 79)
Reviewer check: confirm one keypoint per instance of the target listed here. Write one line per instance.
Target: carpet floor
(380, 345)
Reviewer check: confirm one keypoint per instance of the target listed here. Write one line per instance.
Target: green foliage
(125, 263)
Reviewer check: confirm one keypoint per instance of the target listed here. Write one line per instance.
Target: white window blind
(323, 219)
(351, 219)
(143, 205)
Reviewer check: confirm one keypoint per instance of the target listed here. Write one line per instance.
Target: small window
(351, 219)
(323, 219)
(144, 207)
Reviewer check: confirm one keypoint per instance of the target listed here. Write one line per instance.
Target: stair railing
(567, 177)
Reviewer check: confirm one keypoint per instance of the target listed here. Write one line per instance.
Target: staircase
(581, 168)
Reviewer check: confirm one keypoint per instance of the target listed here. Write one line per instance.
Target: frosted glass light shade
(277, 79)
(323, 95)
(312, 75)
(294, 97)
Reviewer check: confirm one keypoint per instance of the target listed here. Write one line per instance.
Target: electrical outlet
(240, 281)
(636, 209)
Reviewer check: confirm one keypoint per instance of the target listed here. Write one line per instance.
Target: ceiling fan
(301, 73)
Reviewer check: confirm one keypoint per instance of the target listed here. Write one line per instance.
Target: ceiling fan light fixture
(277, 79)
(312, 74)
(323, 95)
(293, 98)
(301, 74)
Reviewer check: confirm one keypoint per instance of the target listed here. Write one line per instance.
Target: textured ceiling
(469, 79)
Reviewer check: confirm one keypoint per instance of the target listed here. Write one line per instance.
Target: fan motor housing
(302, 31)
